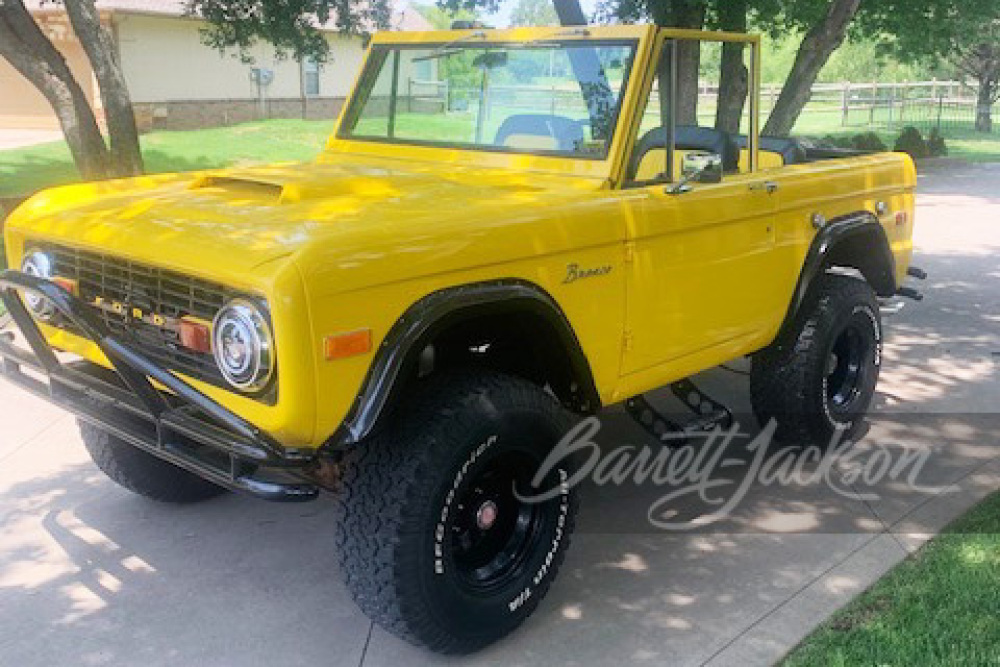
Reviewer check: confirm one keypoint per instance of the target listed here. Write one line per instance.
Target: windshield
(551, 98)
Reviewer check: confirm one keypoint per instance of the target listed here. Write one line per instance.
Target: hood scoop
(253, 188)
(293, 188)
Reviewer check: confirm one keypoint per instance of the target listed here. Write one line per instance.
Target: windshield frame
(372, 68)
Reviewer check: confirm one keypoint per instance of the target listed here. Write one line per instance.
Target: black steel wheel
(438, 537)
(493, 533)
(819, 378)
(849, 362)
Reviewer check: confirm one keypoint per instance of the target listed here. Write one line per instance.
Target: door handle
(770, 187)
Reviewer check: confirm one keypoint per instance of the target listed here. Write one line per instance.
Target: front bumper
(180, 425)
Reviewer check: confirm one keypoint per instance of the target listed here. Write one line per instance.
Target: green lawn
(974, 146)
(940, 607)
(26, 170)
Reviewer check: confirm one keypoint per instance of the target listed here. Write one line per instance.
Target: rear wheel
(143, 473)
(819, 377)
(434, 543)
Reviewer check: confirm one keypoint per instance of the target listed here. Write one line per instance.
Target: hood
(251, 216)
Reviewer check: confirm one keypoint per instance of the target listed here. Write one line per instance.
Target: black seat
(790, 150)
(568, 133)
(689, 138)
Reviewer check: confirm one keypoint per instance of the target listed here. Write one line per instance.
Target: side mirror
(697, 167)
(702, 167)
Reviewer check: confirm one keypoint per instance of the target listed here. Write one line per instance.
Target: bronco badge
(574, 273)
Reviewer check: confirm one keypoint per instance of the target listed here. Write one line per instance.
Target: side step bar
(709, 414)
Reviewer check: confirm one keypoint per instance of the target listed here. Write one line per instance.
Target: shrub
(936, 144)
(912, 142)
(834, 141)
(868, 141)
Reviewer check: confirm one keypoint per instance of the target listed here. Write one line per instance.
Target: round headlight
(39, 264)
(241, 343)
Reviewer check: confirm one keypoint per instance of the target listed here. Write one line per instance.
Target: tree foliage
(857, 60)
(979, 58)
(292, 27)
(964, 34)
(534, 13)
(441, 19)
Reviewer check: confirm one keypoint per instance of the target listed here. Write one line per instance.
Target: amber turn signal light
(348, 344)
(196, 336)
(67, 284)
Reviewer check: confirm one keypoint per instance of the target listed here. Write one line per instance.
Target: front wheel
(819, 377)
(437, 540)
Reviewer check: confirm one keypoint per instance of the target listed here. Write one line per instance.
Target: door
(701, 272)
(700, 283)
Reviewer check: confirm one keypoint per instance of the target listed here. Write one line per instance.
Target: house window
(310, 77)
(425, 70)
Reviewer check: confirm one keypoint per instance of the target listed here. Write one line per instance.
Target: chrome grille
(154, 290)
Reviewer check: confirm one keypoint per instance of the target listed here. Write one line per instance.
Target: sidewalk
(23, 138)
(90, 574)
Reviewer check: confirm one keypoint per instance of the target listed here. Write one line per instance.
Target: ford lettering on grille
(145, 304)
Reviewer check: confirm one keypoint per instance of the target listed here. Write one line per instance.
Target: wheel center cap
(486, 515)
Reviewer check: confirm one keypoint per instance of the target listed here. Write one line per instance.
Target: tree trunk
(126, 159)
(984, 105)
(590, 74)
(29, 51)
(570, 12)
(814, 52)
(683, 14)
(734, 81)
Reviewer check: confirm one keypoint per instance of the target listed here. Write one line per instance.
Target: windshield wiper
(574, 32)
(445, 49)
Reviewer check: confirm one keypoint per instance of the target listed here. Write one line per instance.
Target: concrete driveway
(11, 138)
(92, 575)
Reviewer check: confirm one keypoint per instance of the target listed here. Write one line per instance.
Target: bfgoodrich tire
(819, 377)
(433, 542)
(143, 473)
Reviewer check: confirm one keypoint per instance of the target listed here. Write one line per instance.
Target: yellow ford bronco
(507, 228)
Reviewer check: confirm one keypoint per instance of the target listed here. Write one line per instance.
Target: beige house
(177, 82)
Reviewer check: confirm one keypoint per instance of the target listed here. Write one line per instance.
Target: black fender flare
(861, 232)
(432, 314)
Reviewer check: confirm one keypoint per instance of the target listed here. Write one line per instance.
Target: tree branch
(814, 52)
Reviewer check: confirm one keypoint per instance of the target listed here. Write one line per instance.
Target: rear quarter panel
(835, 188)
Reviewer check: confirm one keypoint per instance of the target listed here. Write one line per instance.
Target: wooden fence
(833, 106)
(875, 105)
